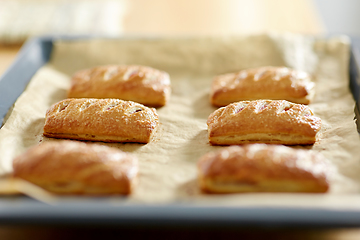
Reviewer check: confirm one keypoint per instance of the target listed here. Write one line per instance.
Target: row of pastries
(115, 104)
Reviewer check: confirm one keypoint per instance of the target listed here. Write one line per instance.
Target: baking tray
(103, 212)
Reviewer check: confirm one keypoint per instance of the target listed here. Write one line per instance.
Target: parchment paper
(168, 164)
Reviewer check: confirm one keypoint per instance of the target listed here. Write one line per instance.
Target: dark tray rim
(33, 55)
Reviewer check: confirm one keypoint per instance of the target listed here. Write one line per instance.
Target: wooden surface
(196, 17)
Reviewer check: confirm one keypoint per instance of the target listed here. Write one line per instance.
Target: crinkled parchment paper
(168, 164)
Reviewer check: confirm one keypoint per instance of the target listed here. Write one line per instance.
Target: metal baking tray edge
(89, 211)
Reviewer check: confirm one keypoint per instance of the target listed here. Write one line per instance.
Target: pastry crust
(107, 120)
(276, 83)
(263, 121)
(140, 84)
(70, 167)
(263, 168)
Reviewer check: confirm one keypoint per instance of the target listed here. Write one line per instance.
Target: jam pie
(263, 168)
(276, 83)
(71, 167)
(263, 121)
(107, 120)
(140, 84)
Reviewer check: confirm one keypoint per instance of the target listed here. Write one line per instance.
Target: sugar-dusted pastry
(140, 84)
(263, 168)
(277, 83)
(263, 121)
(107, 120)
(71, 167)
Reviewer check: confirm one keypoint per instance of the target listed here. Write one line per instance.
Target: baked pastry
(263, 168)
(276, 83)
(140, 84)
(72, 167)
(263, 121)
(107, 120)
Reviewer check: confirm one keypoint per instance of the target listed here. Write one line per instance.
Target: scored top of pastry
(263, 121)
(276, 83)
(263, 168)
(107, 120)
(136, 83)
(72, 167)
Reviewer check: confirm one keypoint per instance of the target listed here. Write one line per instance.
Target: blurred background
(23, 19)
(339, 16)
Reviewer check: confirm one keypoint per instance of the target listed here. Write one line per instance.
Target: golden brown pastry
(263, 121)
(140, 84)
(263, 168)
(107, 120)
(276, 83)
(71, 167)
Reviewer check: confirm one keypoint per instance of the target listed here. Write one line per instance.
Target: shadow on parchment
(197, 147)
(126, 147)
(56, 96)
(202, 107)
(33, 135)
